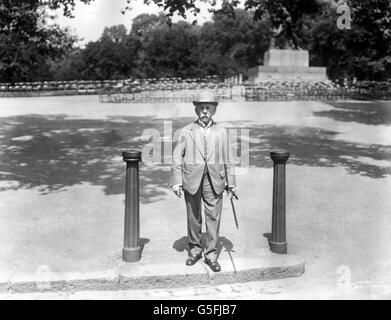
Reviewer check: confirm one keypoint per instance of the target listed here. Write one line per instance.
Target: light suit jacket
(194, 150)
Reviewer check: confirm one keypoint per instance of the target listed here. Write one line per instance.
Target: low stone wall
(162, 96)
(15, 94)
(249, 93)
(316, 94)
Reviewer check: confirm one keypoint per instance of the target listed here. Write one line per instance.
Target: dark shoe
(192, 259)
(213, 265)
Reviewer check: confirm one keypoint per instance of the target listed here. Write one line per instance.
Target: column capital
(131, 156)
(279, 155)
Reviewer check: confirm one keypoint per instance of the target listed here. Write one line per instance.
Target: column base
(131, 254)
(278, 247)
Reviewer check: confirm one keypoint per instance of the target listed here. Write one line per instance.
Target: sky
(90, 20)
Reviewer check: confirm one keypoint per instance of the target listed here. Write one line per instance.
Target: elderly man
(201, 170)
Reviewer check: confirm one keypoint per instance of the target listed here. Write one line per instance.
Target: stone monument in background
(285, 61)
(286, 65)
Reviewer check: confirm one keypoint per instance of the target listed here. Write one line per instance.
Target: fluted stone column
(277, 241)
(131, 251)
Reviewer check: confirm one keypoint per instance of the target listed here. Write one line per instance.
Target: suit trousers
(212, 209)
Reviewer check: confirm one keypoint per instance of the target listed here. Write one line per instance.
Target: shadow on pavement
(319, 148)
(182, 244)
(143, 242)
(53, 152)
(268, 236)
(369, 112)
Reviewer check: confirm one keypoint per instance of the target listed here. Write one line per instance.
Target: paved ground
(287, 289)
(62, 188)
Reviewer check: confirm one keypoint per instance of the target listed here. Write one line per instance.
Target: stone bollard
(131, 251)
(277, 241)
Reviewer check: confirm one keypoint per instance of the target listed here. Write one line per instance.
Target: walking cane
(231, 200)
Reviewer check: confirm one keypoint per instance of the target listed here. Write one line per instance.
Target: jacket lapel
(213, 141)
(193, 132)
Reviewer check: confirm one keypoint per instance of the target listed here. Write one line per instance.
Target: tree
(31, 48)
(173, 50)
(142, 31)
(28, 41)
(113, 56)
(144, 23)
(327, 45)
(71, 67)
(233, 43)
(228, 44)
(287, 18)
(165, 50)
(114, 34)
(364, 51)
(369, 42)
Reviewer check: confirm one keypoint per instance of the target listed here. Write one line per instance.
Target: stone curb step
(148, 276)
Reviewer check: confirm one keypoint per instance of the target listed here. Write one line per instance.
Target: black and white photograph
(214, 150)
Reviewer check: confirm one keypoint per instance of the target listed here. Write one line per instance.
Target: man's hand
(232, 192)
(178, 191)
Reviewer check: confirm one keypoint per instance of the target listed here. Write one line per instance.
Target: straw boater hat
(206, 97)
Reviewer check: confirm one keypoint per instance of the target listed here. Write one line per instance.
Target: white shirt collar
(206, 126)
